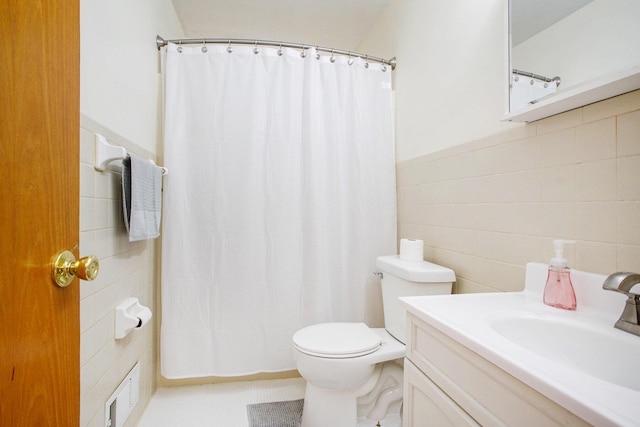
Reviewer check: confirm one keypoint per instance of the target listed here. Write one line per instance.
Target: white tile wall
(487, 207)
(126, 269)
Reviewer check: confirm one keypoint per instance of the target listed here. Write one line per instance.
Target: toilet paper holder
(130, 315)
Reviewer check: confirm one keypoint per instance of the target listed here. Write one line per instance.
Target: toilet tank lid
(415, 271)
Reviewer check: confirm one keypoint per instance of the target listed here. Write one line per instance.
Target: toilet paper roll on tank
(412, 250)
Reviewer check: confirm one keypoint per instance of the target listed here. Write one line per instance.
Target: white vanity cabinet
(446, 384)
(425, 404)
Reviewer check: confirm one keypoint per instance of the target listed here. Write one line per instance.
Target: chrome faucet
(623, 282)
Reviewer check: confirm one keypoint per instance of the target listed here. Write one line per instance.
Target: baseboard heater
(123, 400)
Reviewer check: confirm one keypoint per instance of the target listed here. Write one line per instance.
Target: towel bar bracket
(107, 153)
(164, 170)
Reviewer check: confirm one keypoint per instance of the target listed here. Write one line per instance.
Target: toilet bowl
(352, 370)
(336, 381)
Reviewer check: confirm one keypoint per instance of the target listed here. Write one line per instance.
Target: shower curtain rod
(536, 76)
(162, 42)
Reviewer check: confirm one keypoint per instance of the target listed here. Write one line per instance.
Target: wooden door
(39, 214)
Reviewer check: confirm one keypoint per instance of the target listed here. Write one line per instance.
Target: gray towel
(142, 198)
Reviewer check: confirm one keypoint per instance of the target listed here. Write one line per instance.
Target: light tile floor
(225, 405)
(215, 405)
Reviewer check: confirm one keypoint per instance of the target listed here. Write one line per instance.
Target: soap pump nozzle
(559, 261)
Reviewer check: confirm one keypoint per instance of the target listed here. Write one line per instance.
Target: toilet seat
(337, 340)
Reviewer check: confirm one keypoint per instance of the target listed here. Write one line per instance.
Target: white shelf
(607, 86)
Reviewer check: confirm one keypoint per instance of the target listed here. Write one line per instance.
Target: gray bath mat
(287, 413)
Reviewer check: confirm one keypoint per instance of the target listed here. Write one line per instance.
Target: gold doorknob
(64, 268)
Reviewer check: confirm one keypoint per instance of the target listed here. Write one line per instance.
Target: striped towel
(142, 198)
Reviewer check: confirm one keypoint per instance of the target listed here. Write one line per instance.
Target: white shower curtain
(279, 198)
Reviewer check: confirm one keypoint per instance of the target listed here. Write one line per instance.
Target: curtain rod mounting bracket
(160, 42)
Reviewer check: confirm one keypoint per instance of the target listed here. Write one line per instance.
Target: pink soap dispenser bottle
(558, 291)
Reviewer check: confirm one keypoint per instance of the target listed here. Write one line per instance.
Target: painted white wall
(601, 37)
(119, 69)
(451, 81)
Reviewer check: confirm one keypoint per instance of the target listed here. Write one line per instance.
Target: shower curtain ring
(317, 53)
(180, 49)
(229, 48)
(255, 49)
(204, 46)
(303, 52)
(366, 61)
(350, 61)
(280, 51)
(333, 58)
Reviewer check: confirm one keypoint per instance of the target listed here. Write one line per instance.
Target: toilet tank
(402, 278)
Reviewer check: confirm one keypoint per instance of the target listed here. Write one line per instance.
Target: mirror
(585, 43)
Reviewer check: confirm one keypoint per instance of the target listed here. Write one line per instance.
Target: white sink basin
(577, 345)
(575, 358)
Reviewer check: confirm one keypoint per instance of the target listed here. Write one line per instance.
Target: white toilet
(349, 367)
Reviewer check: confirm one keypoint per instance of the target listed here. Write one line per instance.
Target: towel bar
(107, 153)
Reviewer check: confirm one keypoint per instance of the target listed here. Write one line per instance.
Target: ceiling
(340, 24)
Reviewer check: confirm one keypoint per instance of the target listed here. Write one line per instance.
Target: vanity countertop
(575, 358)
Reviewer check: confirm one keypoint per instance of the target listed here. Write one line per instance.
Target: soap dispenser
(558, 291)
